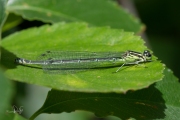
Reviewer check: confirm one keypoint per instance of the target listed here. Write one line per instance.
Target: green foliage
(12, 21)
(85, 29)
(169, 87)
(79, 37)
(94, 12)
(6, 91)
(2, 13)
(148, 103)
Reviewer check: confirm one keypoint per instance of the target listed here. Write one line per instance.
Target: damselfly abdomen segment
(58, 61)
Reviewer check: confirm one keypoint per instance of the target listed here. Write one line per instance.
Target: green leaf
(78, 37)
(6, 91)
(136, 105)
(11, 22)
(18, 117)
(94, 12)
(2, 13)
(169, 87)
(159, 101)
(12, 116)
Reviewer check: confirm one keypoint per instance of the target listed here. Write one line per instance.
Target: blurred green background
(162, 20)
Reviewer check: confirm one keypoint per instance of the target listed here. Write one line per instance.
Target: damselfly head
(147, 54)
(18, 60)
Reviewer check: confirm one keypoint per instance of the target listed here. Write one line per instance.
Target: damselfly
(58, 61)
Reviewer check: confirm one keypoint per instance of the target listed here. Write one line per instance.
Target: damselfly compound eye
(147, 53)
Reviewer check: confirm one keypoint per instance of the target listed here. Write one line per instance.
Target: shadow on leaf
(7, 59)
(142, 104)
